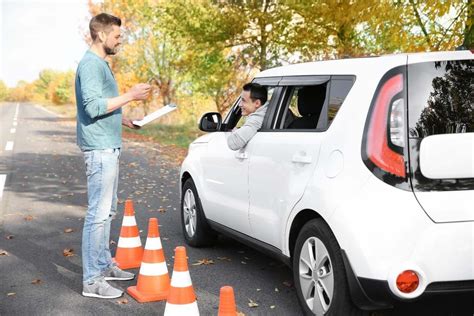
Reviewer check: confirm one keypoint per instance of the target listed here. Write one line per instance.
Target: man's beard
(110, 51)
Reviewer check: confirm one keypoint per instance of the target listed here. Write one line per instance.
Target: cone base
(128, 265)
(145, 297)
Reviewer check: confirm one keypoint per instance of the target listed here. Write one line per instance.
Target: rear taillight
(385, 133)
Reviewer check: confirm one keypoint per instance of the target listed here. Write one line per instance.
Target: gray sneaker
(115, 273)
(101, 289)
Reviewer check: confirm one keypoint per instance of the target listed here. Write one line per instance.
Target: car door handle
(299, 158)
(241, 155)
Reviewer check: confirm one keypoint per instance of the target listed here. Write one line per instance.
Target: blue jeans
(102, 170)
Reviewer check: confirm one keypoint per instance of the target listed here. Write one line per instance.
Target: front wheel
(319, 274)
(196, 230)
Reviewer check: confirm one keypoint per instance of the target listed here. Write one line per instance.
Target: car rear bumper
(373, 294)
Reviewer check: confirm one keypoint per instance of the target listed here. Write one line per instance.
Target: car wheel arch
(297, 224)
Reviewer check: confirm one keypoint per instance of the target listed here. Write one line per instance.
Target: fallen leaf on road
(9, 237)
(133, 165)
(258, 290)
(68, 252)
(11, 294)
(68, 230)
(240, 314)
(161, 210)
(3, 253)
(122, 301)
(28, 218)
(165, 238)
(112, 242)
(224, 258)
(203, 262)
(287, 284)
(252, 303)
(36, 281)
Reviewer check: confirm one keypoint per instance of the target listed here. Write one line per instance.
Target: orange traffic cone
(129, 248)
(181, 298)
(227, 302)
(153, 281)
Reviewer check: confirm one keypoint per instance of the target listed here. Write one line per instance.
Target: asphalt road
(45, 194)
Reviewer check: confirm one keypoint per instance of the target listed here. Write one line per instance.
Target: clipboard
(157, 114)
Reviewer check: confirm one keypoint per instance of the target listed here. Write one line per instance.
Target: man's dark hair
(102, 22)
(257, 92)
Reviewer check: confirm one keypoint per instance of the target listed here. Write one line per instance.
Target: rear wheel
(196, 230)
(319, 274)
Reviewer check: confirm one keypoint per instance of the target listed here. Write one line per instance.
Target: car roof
(354, 66)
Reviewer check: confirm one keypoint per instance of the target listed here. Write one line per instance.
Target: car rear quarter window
(338, 92)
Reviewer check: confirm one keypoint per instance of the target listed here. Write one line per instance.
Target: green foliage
(180, 135)
(3, 91)
(199, 53)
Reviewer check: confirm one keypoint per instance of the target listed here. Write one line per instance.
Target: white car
(366, 189)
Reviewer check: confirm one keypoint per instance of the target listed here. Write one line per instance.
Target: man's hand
(140, 91)
(129, 123)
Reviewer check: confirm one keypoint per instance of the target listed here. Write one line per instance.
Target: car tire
(326, 289)
(196, 230)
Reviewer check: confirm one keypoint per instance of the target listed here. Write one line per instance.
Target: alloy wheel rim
(316, 276)
(189, 212)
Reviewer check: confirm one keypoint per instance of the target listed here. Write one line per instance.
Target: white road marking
(12, 130)
(3, 178)
(9, 145)
(16, 112)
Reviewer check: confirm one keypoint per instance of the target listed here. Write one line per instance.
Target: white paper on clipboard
(157, 114)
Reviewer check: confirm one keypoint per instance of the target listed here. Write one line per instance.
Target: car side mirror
(210, 122)
(447, 156)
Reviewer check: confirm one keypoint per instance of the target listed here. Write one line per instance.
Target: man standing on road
(253, 104)
(99, 136)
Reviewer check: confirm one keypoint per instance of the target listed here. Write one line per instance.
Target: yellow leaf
(36, 281)
(203, 262)
(252, 304)
(68, 252)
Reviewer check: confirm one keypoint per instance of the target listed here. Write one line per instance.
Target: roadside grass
(180, 135)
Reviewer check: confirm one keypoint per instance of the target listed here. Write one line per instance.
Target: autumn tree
(3, 91)
(22, 92)
(210, 48)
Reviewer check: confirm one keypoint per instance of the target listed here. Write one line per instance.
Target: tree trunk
(469, 32)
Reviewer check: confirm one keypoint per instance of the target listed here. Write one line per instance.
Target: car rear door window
(311, 104)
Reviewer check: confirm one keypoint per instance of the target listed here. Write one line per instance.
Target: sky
(40, 34)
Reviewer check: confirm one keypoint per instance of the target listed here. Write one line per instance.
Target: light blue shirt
(95, 83)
